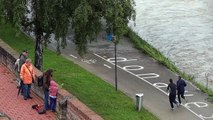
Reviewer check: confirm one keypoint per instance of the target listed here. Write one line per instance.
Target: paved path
(15, 106)
(138, 73)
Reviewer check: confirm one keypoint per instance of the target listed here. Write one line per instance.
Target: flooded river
(182, 30)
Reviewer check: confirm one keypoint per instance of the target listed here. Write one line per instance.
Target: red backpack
(39, 108)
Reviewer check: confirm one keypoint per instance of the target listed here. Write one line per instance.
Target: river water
(182, 30)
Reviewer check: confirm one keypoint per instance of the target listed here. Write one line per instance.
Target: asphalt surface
(139, 73)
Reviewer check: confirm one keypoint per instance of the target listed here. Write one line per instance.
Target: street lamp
(112, 38)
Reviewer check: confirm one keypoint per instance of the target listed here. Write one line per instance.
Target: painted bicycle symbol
(90, 61)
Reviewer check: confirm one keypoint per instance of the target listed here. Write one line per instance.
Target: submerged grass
(88, 88)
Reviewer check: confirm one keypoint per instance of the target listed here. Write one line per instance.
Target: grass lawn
(98, 95)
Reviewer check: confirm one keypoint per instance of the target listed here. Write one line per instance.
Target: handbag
(39, 108)
(40, 80)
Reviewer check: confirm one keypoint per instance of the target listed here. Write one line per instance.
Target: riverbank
(181, 30)
(146, 48)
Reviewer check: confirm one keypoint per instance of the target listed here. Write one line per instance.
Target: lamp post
(115, 51)
(112, 38)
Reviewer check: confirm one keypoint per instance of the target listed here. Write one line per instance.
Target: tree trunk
(38, 50)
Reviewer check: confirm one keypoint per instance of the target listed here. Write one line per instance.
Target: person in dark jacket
(22, 58)
(181, 84)
(47, 77)
(172, 93)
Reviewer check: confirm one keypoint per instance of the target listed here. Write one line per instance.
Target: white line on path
(107, 66)
(146, 82)
(189, 95)
(73, 56)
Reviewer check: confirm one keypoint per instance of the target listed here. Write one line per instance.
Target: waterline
(182, 30)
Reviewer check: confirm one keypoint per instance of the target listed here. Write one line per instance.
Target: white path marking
(73, 56)
(107, 66)
(119, 59)
(148, 75)
(159, 85)
(133, 67)
(206, 117)
(146, 82)
(189, 95)
(198, 104)
(85, 60)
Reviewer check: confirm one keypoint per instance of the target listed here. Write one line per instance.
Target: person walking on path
(53, 95)
(47, 77)
(181, 84)
(27, 75)
(172, 93)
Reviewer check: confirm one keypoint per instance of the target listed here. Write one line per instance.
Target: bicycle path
(139, 73)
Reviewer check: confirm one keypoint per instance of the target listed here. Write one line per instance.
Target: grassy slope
(91, 90)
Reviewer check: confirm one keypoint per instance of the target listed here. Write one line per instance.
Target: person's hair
(48, 74)
(26, 51)
(28, 60)
(170, 80)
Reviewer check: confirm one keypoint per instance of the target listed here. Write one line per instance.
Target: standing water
(182, 30)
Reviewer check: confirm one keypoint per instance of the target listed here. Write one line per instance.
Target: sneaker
(172, 109)
(25, 98)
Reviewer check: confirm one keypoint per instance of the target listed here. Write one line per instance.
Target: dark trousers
(46, 99)
(180, 94)
(172, 100)
(52, 103)
(26, 88)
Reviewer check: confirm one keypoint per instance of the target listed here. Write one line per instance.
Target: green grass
(88, 88)
(146, 48)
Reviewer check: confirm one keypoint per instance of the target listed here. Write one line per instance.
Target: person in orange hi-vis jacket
(27, 74)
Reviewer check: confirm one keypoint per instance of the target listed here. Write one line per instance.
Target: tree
(47, 17)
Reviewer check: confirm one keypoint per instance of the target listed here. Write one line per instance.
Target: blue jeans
(52, 103)
(46, 99)
(26, 88)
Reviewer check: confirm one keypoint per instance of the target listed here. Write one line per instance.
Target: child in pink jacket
(53, 89)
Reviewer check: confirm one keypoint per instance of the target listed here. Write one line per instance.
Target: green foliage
(12, 11)
(54, 17)
(86, 17)
(98, 95)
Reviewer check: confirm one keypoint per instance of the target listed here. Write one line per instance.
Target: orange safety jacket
(27, 73)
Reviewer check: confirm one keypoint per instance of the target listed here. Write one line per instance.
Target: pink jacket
(53, 89)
